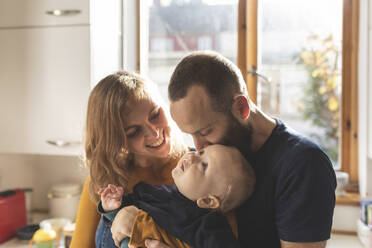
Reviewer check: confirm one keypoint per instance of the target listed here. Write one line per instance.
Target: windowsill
(349, 199)
(344, 241)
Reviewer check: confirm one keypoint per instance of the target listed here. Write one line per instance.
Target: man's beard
(238, 136)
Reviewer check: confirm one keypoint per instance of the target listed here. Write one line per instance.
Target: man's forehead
(192, 112)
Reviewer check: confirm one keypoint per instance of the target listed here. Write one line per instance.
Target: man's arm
(304, 209)
(286, 244)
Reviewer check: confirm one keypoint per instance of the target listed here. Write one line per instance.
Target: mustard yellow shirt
(144, 228)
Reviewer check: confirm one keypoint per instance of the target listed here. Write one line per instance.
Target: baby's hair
(241, 186)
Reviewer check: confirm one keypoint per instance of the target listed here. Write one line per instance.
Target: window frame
(247, 58)
(349, 114)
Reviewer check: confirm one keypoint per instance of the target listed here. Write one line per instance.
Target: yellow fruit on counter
(42, 235)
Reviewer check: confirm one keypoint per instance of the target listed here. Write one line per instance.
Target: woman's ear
(210, 201)
(240, 107)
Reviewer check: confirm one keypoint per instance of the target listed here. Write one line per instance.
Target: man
(293, 201)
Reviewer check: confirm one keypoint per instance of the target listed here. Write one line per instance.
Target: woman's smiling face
(147, 130)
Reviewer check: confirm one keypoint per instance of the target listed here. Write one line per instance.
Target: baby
(216, 178)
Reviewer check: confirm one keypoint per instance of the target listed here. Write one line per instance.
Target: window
(161, 44)
(205, 42)
(177, 27)
(308, 50)
(304, 48)
(300, 52)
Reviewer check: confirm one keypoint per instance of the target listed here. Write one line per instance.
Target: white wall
(364, 101)
(345, 218)
(39, 172)
(369, 175)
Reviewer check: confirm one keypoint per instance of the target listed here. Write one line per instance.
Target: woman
(129, 138)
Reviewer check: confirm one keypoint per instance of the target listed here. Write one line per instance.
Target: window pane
(301, 53)
(180, 26)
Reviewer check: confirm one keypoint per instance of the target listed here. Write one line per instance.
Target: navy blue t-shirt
(294, 195)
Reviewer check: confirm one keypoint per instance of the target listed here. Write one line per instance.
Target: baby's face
(199, 174)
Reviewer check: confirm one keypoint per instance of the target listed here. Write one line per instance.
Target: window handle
(63, 12)
(63, 143)
(254, 72)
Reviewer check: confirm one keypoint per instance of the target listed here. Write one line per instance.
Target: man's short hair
(220, 77)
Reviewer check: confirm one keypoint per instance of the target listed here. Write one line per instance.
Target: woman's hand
(122, 224)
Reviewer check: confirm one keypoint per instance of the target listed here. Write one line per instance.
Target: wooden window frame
(247, 57)
(349, 105)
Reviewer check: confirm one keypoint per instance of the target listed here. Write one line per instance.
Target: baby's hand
(111, 197)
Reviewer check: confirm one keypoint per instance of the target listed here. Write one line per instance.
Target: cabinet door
(44, 87)
(25, 13)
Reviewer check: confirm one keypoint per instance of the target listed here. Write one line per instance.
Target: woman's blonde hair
(105, 139)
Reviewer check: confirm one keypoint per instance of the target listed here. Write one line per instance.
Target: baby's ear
(210, 201)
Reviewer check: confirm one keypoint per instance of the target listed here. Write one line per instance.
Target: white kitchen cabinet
(44, 75)
(46, 72)
(26, 13)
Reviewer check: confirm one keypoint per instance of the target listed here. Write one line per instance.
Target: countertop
(336, 241)
(37, 217)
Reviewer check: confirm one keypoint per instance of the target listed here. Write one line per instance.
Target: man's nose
(200, 143)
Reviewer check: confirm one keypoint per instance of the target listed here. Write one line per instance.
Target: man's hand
(111, 197)
(152, 243)
(122, 224)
